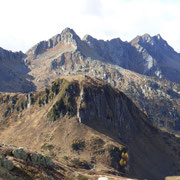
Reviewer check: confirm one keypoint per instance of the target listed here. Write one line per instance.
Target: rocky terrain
(16, 163)
(87, 108)
(67, 54)
(91, 128)
(151, 56)
(154, 57)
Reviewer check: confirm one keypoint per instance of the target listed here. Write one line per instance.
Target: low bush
(78, 144)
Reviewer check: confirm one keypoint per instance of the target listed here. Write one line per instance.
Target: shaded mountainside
(67, 54)
(86, 124)
(14, 72)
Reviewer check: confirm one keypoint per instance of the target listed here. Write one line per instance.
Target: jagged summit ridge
(147, 55)
(66, 37)
(154, 41)
(113, 50)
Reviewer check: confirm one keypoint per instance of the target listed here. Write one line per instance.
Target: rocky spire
(68, 36)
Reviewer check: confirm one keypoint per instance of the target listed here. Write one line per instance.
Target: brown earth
(153, 154)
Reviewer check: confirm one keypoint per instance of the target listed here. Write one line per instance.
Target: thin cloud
(93, 8)
(25, 23)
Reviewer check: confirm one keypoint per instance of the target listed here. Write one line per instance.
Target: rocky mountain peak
(152, 41)
(158, 36)
(163, 44)
(91, 41)
(146, 37)
(68, 36)
(87, 37)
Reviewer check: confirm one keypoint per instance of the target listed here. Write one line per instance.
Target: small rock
(102, 178)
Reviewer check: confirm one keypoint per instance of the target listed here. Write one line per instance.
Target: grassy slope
(153, 154)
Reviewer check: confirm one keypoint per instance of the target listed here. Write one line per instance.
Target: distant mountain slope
(69, 55)
(146, 55)
(14, 72)
(82, 123)
(156, 58)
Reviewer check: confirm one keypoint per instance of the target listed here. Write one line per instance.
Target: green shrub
(47, 147)
(97, 143)
(77, 163)
(78, 144)
(66, 158)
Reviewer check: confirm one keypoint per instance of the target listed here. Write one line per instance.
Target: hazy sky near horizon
(26, 22)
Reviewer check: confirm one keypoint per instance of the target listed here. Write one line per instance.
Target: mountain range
(122, 64)
(69, 97)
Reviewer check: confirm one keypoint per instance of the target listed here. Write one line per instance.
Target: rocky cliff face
(107, 108)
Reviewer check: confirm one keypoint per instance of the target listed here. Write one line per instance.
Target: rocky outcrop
(16, 163)
(20, 154)
(5, 163)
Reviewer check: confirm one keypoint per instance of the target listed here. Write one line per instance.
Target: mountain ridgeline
(151, 56)
(146, 69)
(88, 108)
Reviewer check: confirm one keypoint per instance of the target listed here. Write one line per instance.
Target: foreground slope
(67, 54)
(86, 124)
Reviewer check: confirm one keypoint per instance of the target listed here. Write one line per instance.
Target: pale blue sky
(26, 22)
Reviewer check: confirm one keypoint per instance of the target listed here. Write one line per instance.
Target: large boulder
(20, 154)
(7, 164)
(39, 159)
